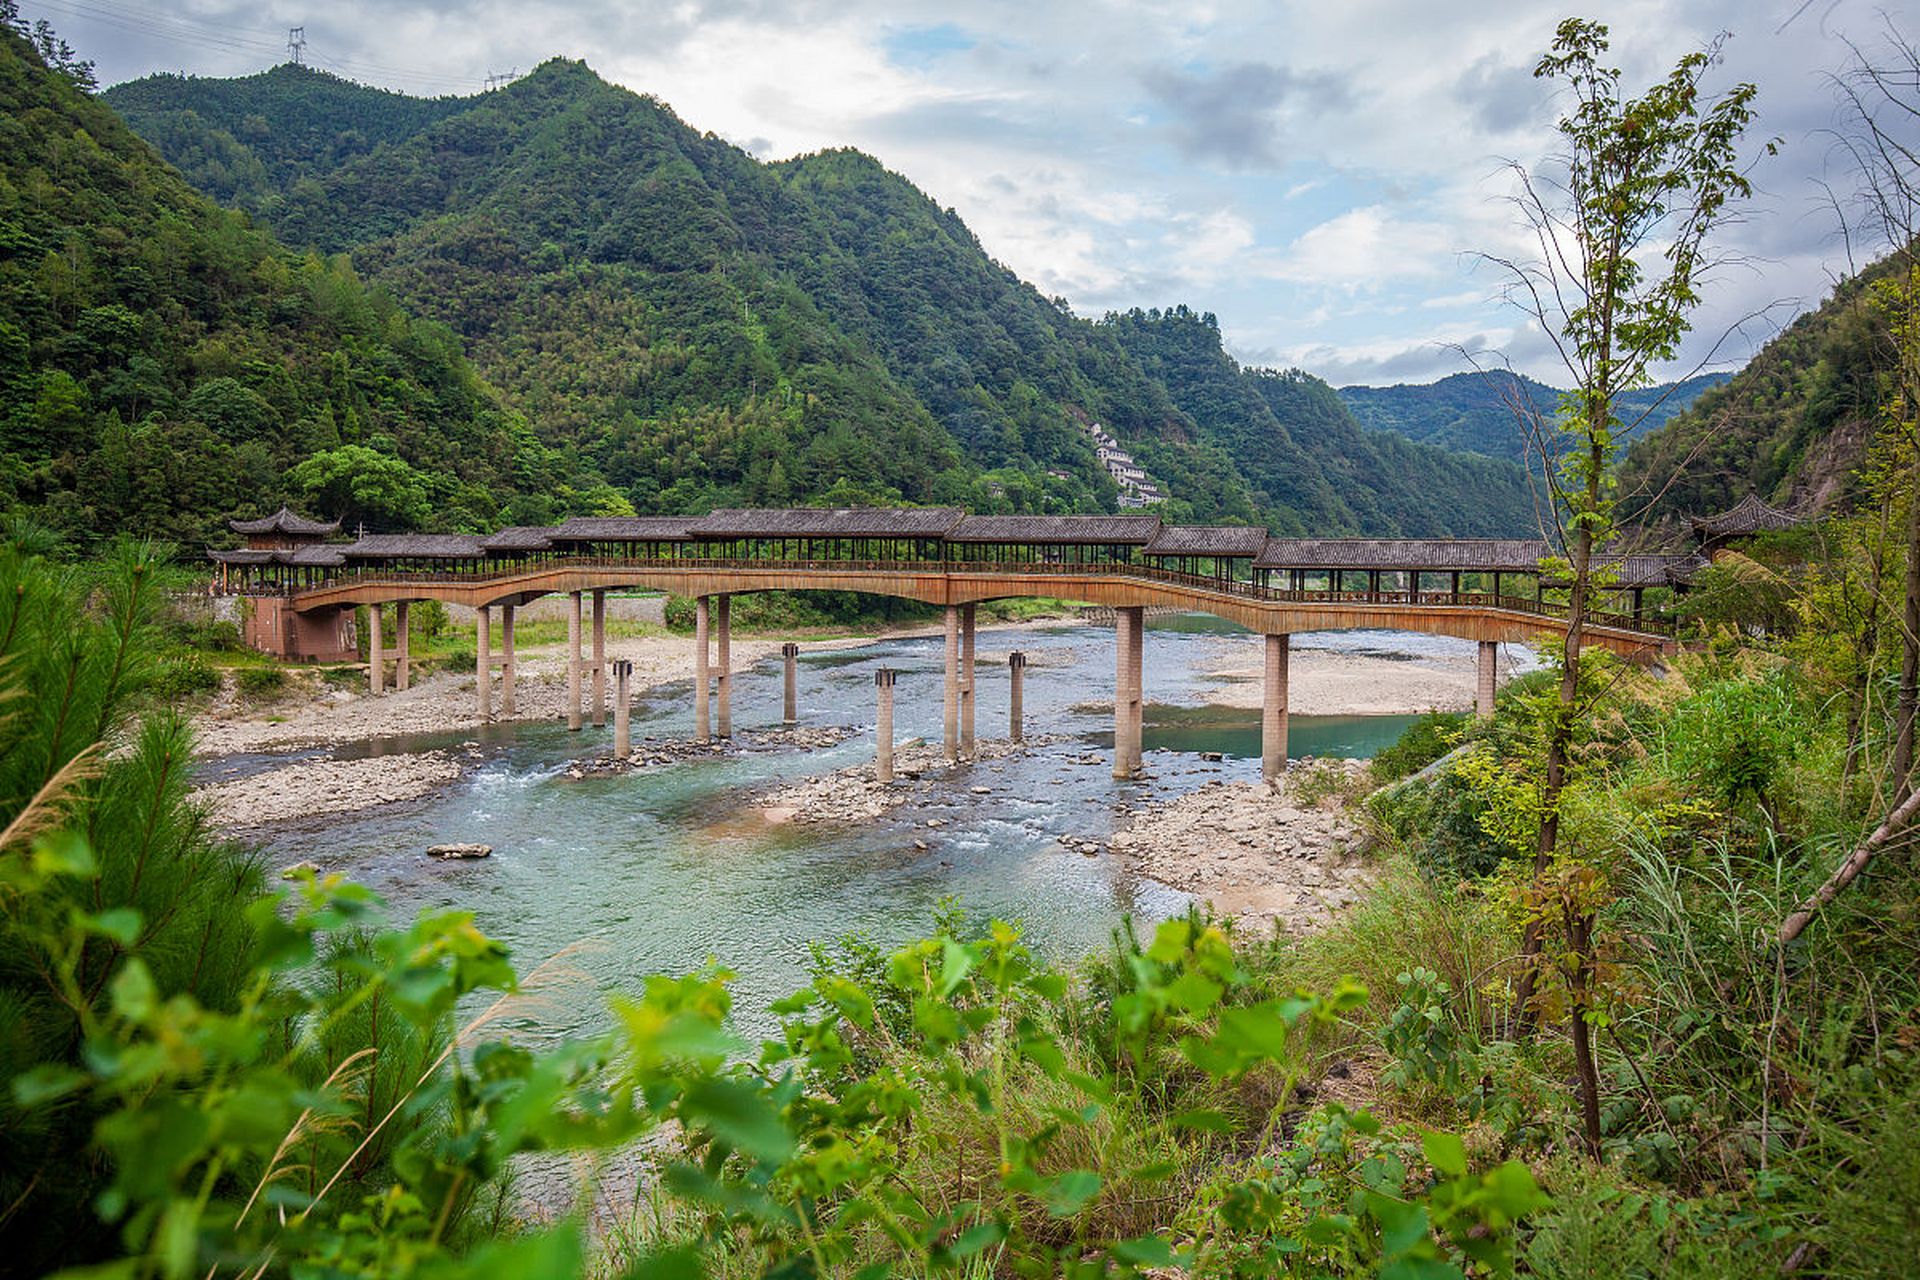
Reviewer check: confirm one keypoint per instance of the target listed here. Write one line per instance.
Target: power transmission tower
(297, 45)
(496, 82)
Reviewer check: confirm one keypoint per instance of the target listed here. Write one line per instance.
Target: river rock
(455, 852)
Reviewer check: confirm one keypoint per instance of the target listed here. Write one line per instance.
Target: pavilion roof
(828, 522)
(1433, 554)
(1218, 541)
(319, 556)
(518, 537)
(1653, 569)
(1749, 515)
(414, 546)
(1110, 531)
(622, 529)
(245, 555)
(285, 522)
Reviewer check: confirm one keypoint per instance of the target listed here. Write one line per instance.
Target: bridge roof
(827, 522)
(1654, 570)
(1104, 531)
(1218, 541)
(285, 522)
(1432, 554)
(414, 546)
(1749, 515)
(519, 537)
(622, 529)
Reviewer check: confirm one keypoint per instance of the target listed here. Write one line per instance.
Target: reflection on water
(662, 869)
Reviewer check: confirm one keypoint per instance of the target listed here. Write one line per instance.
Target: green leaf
(1069, 1193)
(132, 991)
(1445, 1152)
(1144, 1251)
(1203, 1119)
(122, 924)
(975, 1238)
(739, 1115)
(956, 962)
(46, 1082)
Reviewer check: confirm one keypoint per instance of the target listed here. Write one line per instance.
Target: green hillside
(1792, 426)
(1471, 412)
(702, 327)
(1303, 452)
(163, 363)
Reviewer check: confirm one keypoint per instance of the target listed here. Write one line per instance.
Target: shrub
(261, 682)
(184, 677)
(1419, 745)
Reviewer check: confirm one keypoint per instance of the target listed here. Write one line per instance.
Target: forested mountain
(163, 363)
(1792, 426)
(701, 327)
(1472, 412)
(1349, 480)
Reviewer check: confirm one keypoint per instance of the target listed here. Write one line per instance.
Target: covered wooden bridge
(305, 589)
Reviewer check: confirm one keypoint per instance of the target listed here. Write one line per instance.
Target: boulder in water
(453, 852)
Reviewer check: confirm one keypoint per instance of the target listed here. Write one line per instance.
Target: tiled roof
(414, 546)
(518, 537)
(1224, 541)
(285, 522)
(1135, 531)
(828, 522)
(622, 529)
(1433, 554)
(1749, 515)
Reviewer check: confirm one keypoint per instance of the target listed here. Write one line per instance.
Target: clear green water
(662, 869)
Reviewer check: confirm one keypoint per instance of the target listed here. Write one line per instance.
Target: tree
(356, 483)
(1622, 223)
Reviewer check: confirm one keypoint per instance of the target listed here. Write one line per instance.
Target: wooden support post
(790, 654)
(702, 720)
(883, 725)
(1489, 676)
(508, 707)
(483, 660)
(1016, 677)
(1129, 630)
(951, 688)
(1273, 709)
(599, 658)
(622, 708)
(723, 660)
(573, 661)
(403, 651)
(376, 656)
(966, 681)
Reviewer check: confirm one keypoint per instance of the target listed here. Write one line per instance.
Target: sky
(1323, 177)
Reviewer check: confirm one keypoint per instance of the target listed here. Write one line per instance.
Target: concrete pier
(1489, 674)
(376, 655)
(403, 650)
(723, 661)
(1129, 634)
(599, 658)
(483, 660)
(507, 661)
(702, 716)
(1273, 708)
(951, 688)
(883, 725)
(1016, 677)
(966, 682)
(790, 654)
(622, 706)
(573, 661)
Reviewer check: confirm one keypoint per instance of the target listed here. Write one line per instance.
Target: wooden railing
(1138, 570)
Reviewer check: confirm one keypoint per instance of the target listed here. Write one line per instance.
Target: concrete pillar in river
(507, 706)
(1273, 708)
(789, 654)
(483, 660)
(403, 656)
(702, 719)
(1129, 636)
(599, 658)
(723, 662)
(951, 687)
(966, 681)
(883, 725)
(376, 657)
(573, 660)
(622, 735)
(1016, 677)
(1489, 674)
